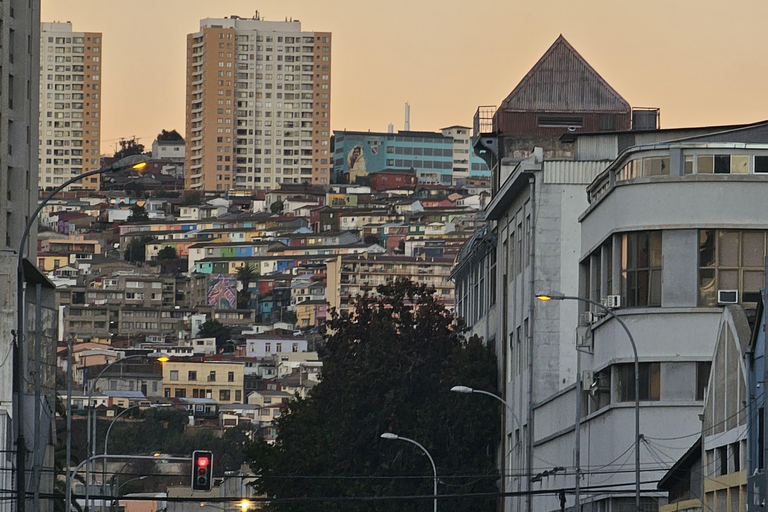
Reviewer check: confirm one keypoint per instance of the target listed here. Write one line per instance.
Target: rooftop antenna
(407, 126)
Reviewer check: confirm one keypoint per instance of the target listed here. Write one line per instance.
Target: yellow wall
(202, 382)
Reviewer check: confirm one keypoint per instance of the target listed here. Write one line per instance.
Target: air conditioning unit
(727, 296)
(586, 318)
(612, 301)
(587, 380)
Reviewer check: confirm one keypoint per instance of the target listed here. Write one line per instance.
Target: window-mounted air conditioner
(612, 301)
(587, 318)
(727, 296)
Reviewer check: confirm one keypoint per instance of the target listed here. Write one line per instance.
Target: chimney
(407, 126)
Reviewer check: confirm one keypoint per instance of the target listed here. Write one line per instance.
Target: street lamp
(106, 444)
(116, 498)
(611, 313)
(468, 390)
(91, 430)
(389, 435)
(137, 162)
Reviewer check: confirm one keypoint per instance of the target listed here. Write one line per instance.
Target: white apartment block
(462, 149)
(70, 105)
(258, 105)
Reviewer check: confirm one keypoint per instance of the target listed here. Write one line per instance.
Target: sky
(703, 62)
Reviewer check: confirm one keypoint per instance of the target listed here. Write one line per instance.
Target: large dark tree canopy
(389, 367)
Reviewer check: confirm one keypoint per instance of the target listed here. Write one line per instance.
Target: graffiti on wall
(222, 292)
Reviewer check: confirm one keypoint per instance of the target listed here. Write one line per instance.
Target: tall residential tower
(70, 105)
(258, 105)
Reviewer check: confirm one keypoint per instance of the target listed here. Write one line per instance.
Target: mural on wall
(222, 292)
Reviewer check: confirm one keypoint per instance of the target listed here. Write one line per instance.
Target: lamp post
(116, 498)
(610, 312)
(468, 390)
(91, 437)
(137, 162)
(389, 435)
(106, 445)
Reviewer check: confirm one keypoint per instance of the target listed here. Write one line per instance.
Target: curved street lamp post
(389, 435)
(137, 162)
(611, 313)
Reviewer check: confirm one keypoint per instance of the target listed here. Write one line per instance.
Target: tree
(388, 367)
(276, 207)
(169, 136)
(135, 252)
(167, 253)
(215, 329)
(138, 214)
(245, 275)
(129, 147)
(191, 198)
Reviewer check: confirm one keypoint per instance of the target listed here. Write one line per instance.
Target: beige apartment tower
(258, 105)
(70, 105)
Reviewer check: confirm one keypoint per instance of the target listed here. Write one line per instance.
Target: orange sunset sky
(702, 62)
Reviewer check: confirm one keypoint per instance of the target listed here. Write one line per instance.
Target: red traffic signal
(202, 469)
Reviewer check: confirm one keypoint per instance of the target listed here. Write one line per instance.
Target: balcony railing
(483, 121)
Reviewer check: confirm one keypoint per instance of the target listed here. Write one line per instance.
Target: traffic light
(202, 470)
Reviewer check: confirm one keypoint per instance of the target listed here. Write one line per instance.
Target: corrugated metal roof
(569, 172)
(562, 81)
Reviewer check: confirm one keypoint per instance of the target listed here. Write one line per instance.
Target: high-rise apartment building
(258, 105)
(70, 105)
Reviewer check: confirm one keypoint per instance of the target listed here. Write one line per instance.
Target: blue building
(437, 157)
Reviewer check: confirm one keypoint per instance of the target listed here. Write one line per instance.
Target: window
(267, 347)
(722, 164)
(230, 376)
(641, 268)
(180, 393)
(731, 260)
(174, 375)
(224, 395)
(278, 347)
(650, 381)
(238, 395)
(761, 164)
(191, 375)
(212, 377)
(655, 166)
(702, 378)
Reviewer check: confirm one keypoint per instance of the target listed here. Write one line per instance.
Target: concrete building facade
(258, 105)
(70, 105)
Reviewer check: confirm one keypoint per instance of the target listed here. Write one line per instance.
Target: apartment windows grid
(641, 268)
(731, 260)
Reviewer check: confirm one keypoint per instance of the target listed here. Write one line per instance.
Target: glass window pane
(654, 381)
(688, 165)
(739, 164)
(707, 292)
(707, 248)
(655, 295)
(642, 288)
(753, 280)
(643, 250)
(705, 164)
(728, 249)
(752, 251)
(655, 249)
(722, 164)
(761, 164)
(728, 280)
